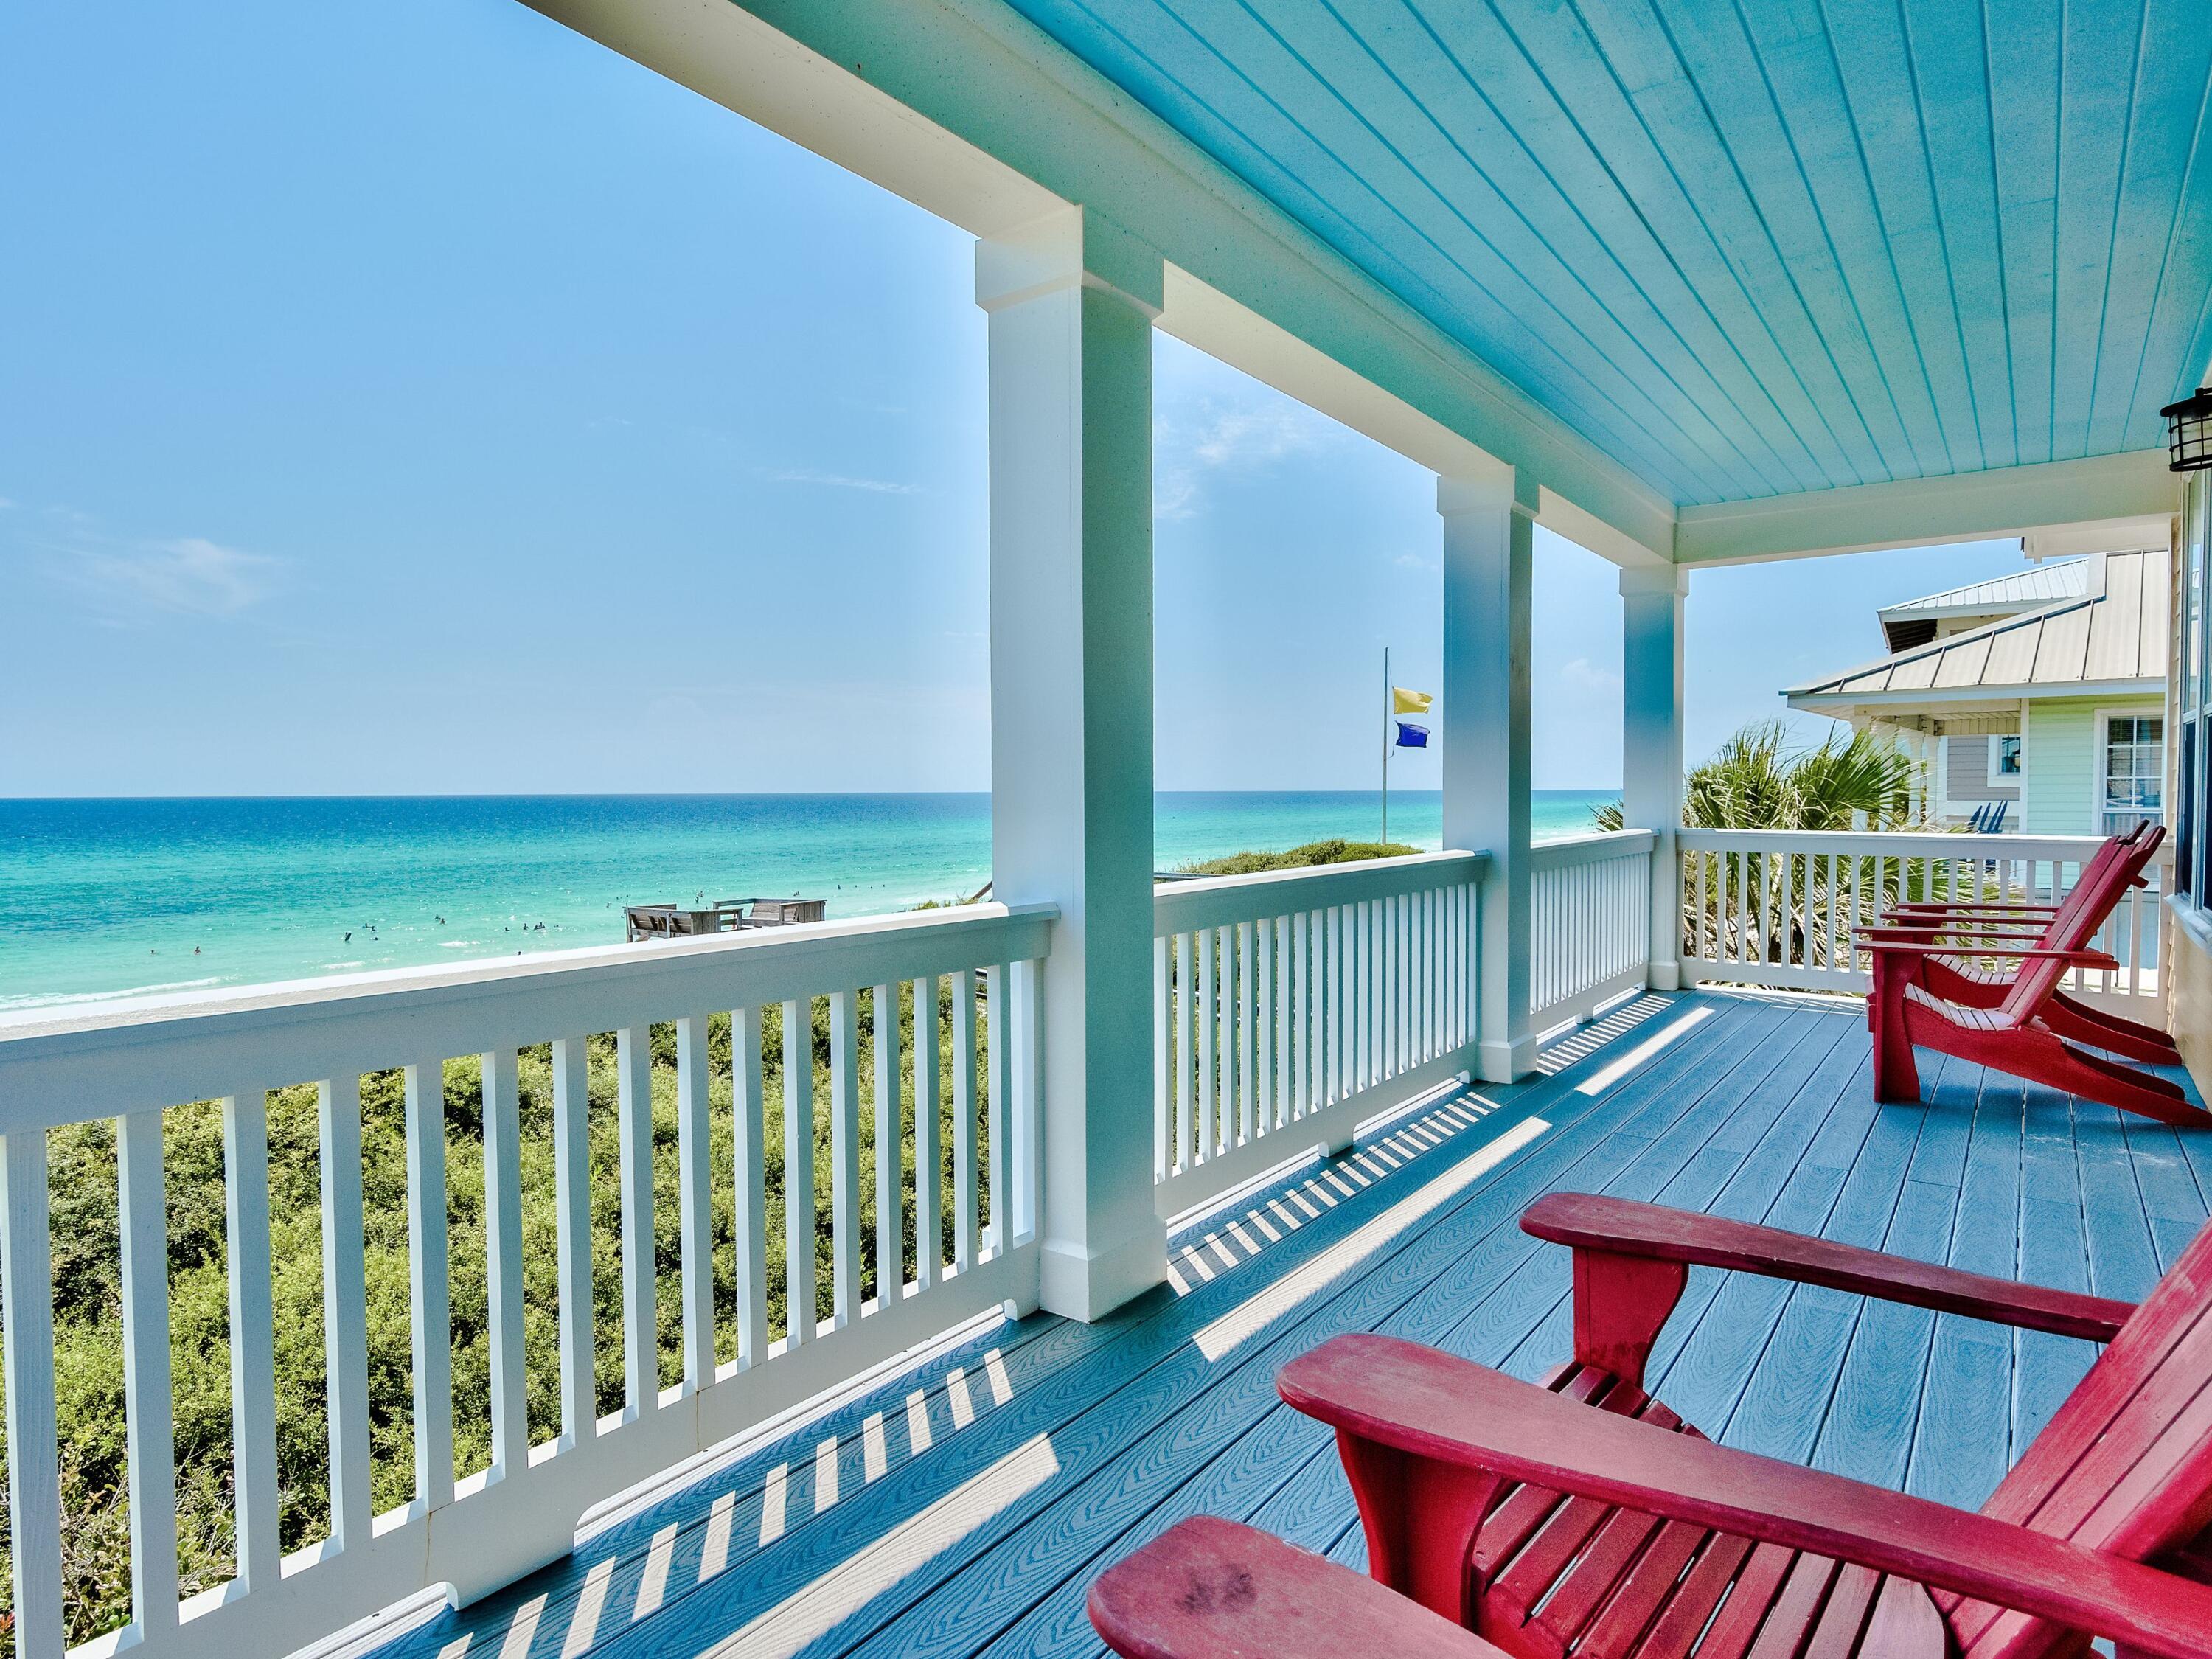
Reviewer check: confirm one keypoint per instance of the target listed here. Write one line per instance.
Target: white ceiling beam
(2100, 500)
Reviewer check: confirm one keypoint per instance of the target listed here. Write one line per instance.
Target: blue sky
(422, 399)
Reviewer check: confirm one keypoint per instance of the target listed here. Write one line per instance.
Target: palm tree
(1754, 781)
(1787, 905)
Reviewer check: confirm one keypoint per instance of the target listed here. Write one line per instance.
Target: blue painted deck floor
(962, 1508)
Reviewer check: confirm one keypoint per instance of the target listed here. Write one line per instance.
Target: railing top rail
(1596, 847)
(1919, 843)
(102, 1059)
(1215, 901)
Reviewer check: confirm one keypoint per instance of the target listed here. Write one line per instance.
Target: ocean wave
(49, 998)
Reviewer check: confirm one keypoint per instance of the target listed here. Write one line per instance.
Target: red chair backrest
(2126, 1466)
(2105, 879)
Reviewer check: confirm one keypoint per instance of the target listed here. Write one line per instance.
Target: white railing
(1590, 923)
(550, 1016)
(1777, 908)
(1295, 1003)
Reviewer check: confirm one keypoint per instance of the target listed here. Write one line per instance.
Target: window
(2133, 749)
(2004, 761)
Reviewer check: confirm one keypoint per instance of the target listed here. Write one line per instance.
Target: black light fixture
(2188, 431)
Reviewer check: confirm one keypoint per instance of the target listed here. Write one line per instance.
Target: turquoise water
(113, 897)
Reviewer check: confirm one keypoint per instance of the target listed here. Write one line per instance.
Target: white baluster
(633, 1131)
(844, 1160)
(1247, 1071)
(1232, 1132)
(572, 1218)
(1274, 1023)
(252, 1335)
(1163, 1156)
(890, 1136)
(798, 1220)
(431, 1288)
(345, 1309)
(747, 1105)
(149, 1405)
(999, 989)
(1027, 1102)
(963, 1120)
(1206, 1103)
(929, 1150)
(695, 1182)
(27, 1341)
(510, 1378)
(1187, 1135)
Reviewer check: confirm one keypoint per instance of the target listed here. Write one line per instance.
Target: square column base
(1498, 1060)
(1087, 1285)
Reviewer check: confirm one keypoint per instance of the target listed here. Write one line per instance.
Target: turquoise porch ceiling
(1747, 249)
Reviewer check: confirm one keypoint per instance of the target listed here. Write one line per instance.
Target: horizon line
(721, 794)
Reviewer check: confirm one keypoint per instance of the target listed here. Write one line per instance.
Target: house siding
(2056, 801)
(1966, 772)
(2061, 794)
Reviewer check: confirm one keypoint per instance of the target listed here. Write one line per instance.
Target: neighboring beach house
(2044, 691)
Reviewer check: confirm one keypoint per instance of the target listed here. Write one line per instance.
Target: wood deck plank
(1962, 1440)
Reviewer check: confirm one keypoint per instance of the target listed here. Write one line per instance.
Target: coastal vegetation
(1756, 780)
(88, 1316)
(1789, 909)
(1335, 850)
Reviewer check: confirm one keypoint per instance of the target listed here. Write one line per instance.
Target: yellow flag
(1403, 702)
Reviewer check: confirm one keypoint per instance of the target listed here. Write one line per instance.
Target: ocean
(103, 898)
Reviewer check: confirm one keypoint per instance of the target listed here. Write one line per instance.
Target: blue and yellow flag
(1403, 702)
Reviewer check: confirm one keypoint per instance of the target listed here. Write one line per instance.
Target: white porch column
(1071, 301)
(1652, 745)
(1489, 522)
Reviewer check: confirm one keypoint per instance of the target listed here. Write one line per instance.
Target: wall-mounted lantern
(2188, 431)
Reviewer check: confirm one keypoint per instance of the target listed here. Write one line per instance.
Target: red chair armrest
(1863, 937)
(1973, 907)
(1956, 936)
(1210, 1588)
(1447, 1414)
(1619, 1226)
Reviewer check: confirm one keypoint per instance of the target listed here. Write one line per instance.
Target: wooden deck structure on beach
(641, 921)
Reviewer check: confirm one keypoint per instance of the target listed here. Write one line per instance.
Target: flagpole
(1386, 745)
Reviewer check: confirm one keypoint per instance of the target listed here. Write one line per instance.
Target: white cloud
(1205, 438)
(1579, 676)
(840, 480)
(191, 575)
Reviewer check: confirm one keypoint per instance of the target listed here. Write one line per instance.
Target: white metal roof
(2110, 636)
(2040, 585)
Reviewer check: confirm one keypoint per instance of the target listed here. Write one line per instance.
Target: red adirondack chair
(2020, 1032)
(1210, 1588)
(2069, 925)
(1582, 1520)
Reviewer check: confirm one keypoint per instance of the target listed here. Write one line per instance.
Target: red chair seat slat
(1971, 1020)
(1557, 1578)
